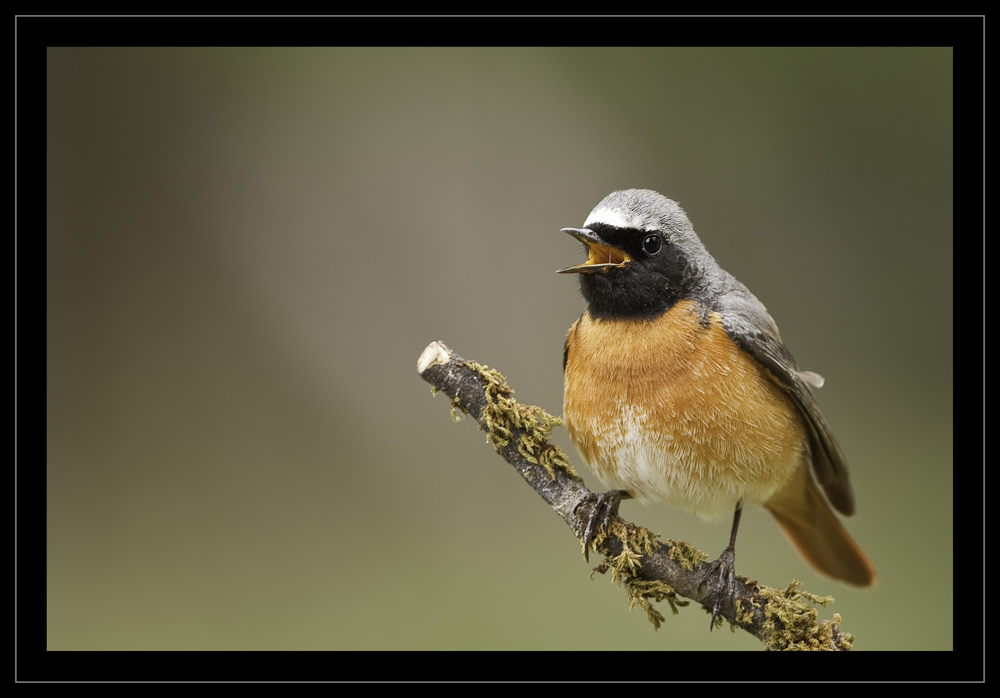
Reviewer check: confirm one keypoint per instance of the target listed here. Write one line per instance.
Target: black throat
(644, 288)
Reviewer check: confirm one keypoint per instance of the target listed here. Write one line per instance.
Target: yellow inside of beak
(602, 254)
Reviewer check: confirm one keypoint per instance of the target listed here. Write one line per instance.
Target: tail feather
(810, 524)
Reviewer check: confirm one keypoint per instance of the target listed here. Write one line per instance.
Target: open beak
(601, 256)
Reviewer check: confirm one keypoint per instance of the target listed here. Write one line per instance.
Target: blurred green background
(248, 249)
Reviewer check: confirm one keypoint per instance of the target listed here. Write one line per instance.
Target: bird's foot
(604, 509)
(722, 575)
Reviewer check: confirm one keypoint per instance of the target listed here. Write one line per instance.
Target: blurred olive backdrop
(248, 250)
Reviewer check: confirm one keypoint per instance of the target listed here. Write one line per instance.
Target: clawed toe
(604, 509)
(724, 570)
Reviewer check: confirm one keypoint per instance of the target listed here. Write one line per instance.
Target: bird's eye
(651, 245)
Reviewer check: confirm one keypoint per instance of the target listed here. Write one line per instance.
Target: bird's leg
(605, 507)
(725, 567)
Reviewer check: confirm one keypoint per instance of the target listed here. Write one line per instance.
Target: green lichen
(636, 542)
(503, 414)
(688, 556)
(743, 617)
(799, 628)
(643, 593)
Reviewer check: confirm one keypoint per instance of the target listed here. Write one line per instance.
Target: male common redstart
(680, 390)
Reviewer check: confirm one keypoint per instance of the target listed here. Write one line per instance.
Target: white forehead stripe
(618, 218)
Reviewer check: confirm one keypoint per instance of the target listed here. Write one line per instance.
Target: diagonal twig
(650, 569)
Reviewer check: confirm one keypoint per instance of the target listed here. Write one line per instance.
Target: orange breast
(672, 410)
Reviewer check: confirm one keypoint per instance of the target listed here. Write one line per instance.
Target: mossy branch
(650, 569)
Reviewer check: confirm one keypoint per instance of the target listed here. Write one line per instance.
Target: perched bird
(678, 389)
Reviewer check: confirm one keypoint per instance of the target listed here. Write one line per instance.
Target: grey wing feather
(748, 323)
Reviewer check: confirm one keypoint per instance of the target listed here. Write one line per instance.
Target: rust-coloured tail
(809, 522)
